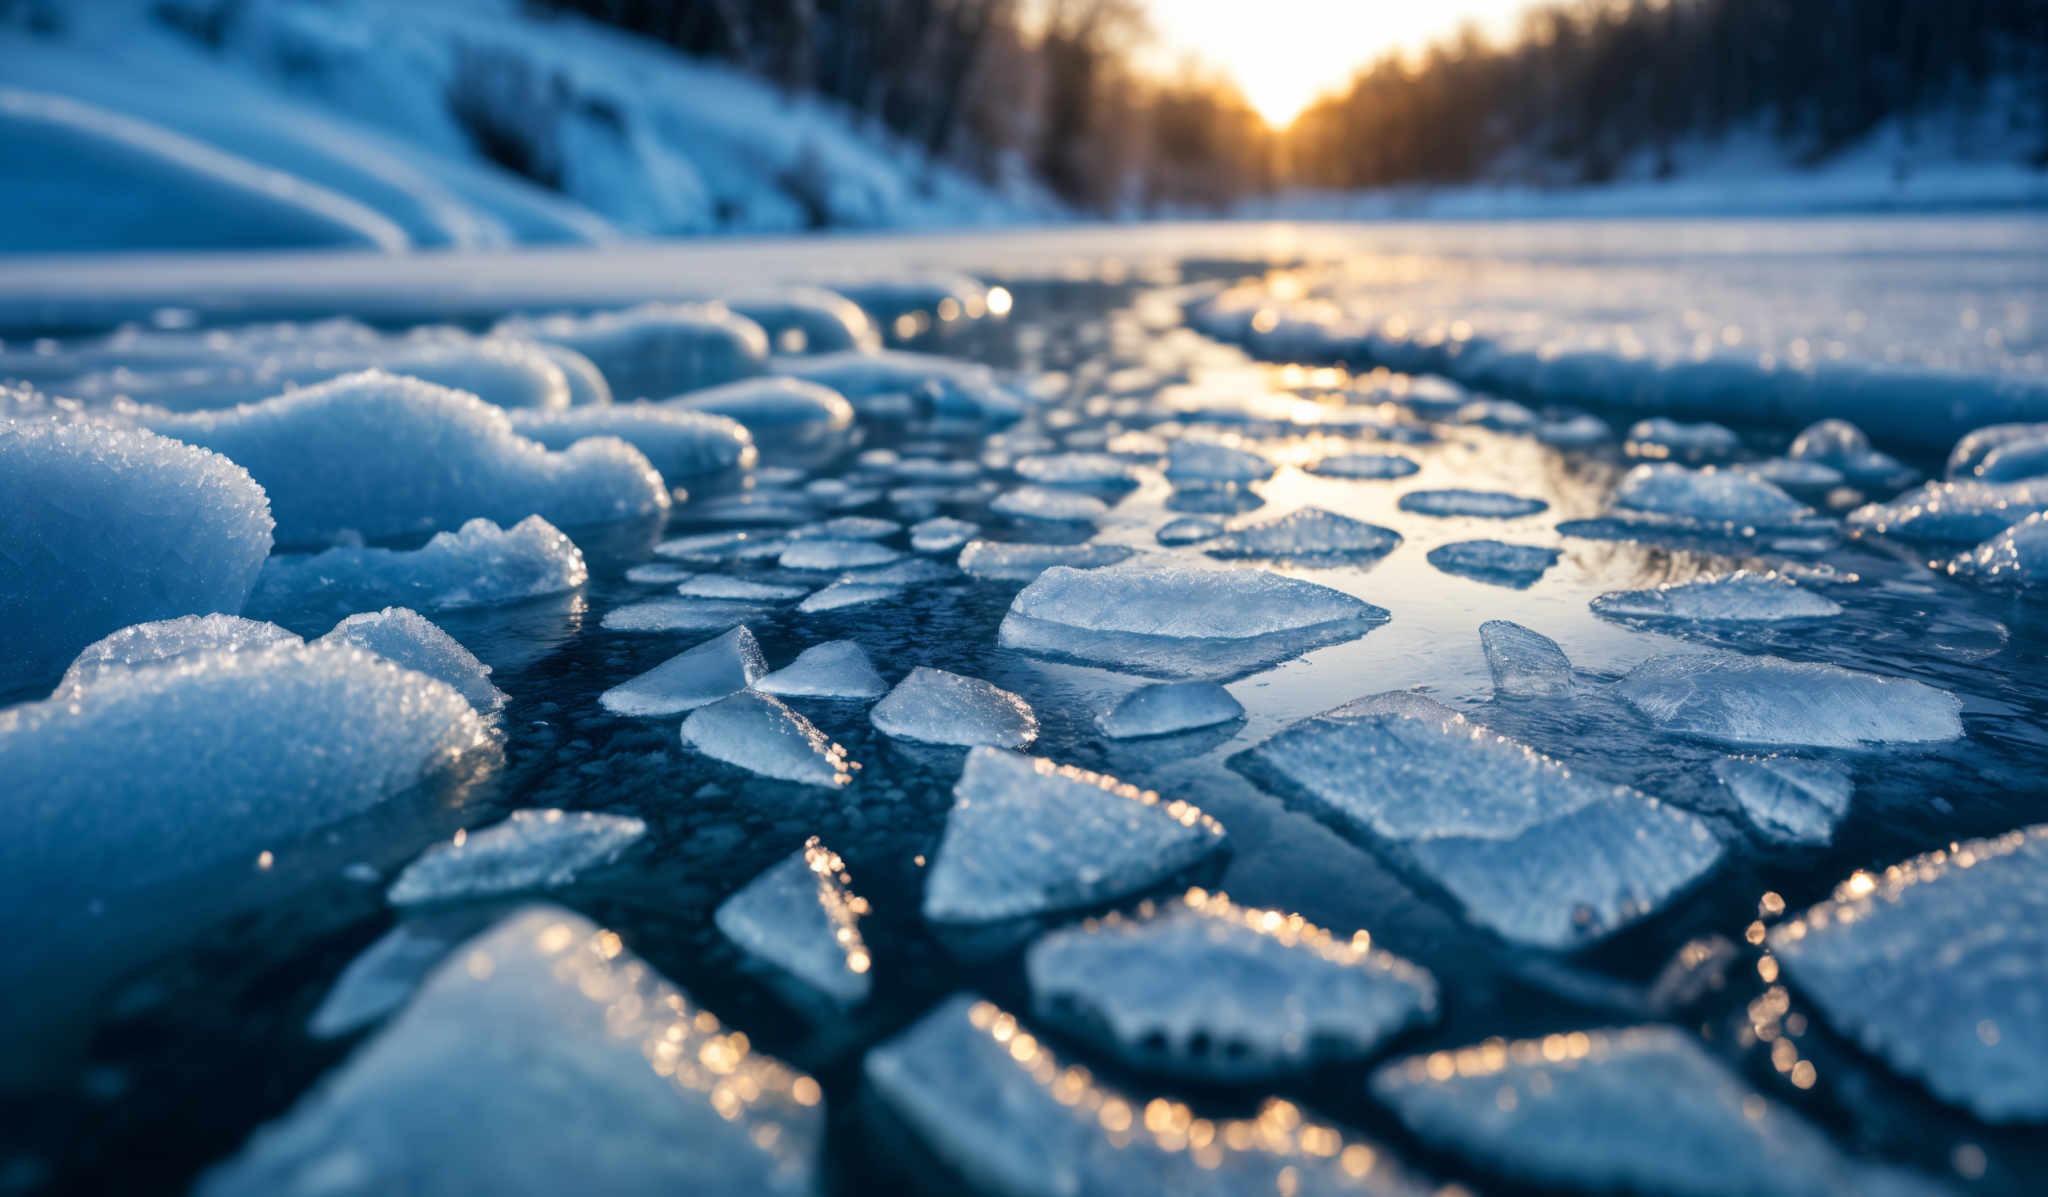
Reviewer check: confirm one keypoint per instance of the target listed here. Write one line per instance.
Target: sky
(1284, 53)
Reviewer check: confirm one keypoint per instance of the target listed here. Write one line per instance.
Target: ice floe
(848, 594)
(1708, 495)
(1661, 437)
(1195, 460)
(834, 669)
(1028, 837)
(1517, 565)
(2016, 557)
(1188, 530)
(941, 386)
(718, 586)
(1048, 505)
(1524, 664)
(1102, 470)
(691, 678)
(1167, 707)
(1308, 536)
(530, 850)
(407, 639)
(941, 534)
(1740, 597)
(778, 412)
(830, 553)
(1535, 851)
(1788, 800)
(388, 972)
(1482, 504)
(655, 350)
(479, 565)
(1007, 562)
(1176, 621)
(682, 615)
(682, 445)
(761, 735)
(1364, 465)
(936, 707)
(1201, 987)
(802, 917)
(1967, 511)
(163, 641)
(1842, 447)
(1768, 700)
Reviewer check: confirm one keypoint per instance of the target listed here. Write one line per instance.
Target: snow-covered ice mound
(803, 918)
(479, 565)
(405, 638)
(692, 678)
(761, 735)
(1177, 621)
(1515, 565)
(1205, 988)
(1708, 496)
(375, 455)
(1662, 437)
(1938, 966)
(530, 850)
(1195, 459)
(165, 640)
(2016, 557)
(1842, 447)
(1768, 700)
(1481, 504)
(807, 319)
(1627, 1110)
(1027, 837)
(932, 706)
(655, 350)
(1308, 536)
(1364, 465)
(1167, 707)
(102, 527)
(1010, 562)
(778, 412)
(1971, 451)
(682, 445)
(834, 669)
(1524, 663)
(1740, 597)
(1002, 1110)
(540, 1058)
(1963, 512)
(1788, 800)
(1048, 505)
(1526, 847)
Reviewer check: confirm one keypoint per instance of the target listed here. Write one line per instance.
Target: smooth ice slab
(944, 386)
(683, 445)
(1842, 447)
(1188, 530)
(1002, 561)
(1938, 966)
(1308, 536)
(1708, 496)
(1635, 1109)
(1741, 597)
(759, 734)
(682, 615)
(941, 534)
(2016, 557)
(1047, 505)
(1662, 437)
(389, 972)
(776, 411)
(481, 565)
(166, 640)
(834, 669)
(1768, 700)
(1202, 987)
(1001, 1109)
(1028, 837)
(1178, 621)
(1167, 707)
(802, 917)
(1524, 663)
(691, 678)
(1965, 512)
(936, 707)
(1364, 465)
(542, 1059)
(1971, 451)
(1075, 469)
(1194, 459)
(832, 554)
(715, 586)
(407, 639)
(848, 594)
(103, 526)
(1482, 504)
(530, 850)
(1516, 565)
(655, 350)
(1788, 800)
(375, 455)
(1537, 852)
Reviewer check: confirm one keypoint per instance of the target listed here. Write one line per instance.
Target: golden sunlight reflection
(843, 908)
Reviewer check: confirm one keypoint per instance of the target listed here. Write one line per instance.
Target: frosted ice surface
(1841, 446)
(1189, 530)
(659, 573)
(1938, 966)
(1484, 504)
(1785, 472)
(1177, 621)
(835, 554)
(691, 678)
(681, 615)
(1167, 707)
(1660, 436)
(1537, 852)
(376, 455)
(540, 1058)
(2014, 461)
(1524, 664)
(1974, 447)
(1636, 1109)
(761, 735)
(682, 445)
(717, 586)
(1581, 431)
(1768, 700)
(530, 850)
(1501, 415)
(848, 594)
(166, 640)
(849, 527)
(1308, 535)
(1007, 562)
(941, 534)
(1708, 495)
(1028, 837)
(712, 548)
(1364, 465)
(1045, 503)
(911, 571)
(1075, 469)
(2016, 557)
(807, 319)
(936, 707)
(1202, 987)
(803, 917)
(238, 751)
(655, 350)
(780, 411)
(834, 669)
(1741, 597)
(1967, 512)
(480, 565)
(1011, 1116)
(1516, 565)
(1195, 460)
(102, 527)
(407, 639)
(585, 381)
(388, 972)
(948, 387)
(1788, 800)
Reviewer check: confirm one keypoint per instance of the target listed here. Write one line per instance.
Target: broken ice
(935, 707)
(480, 565)
(802, 917)
(1741, 597)
(1003, 561)
(1482, 504)
(834, 669)
(761, 735)
(1308, 536)
(691, 678)
(1364, 465)
(407, 639)
(532, 849)
(1788, 800)
(1768, 700)
(1167, 707)
(1524, 664)
(1515, 565)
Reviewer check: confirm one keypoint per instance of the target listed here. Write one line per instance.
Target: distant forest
(1049, 89)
